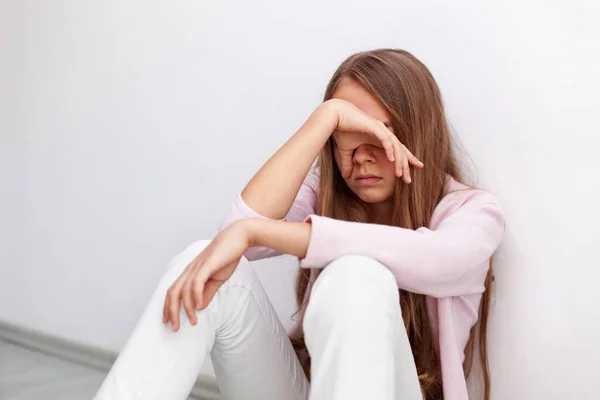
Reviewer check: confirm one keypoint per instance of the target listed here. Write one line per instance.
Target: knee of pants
(353, 285)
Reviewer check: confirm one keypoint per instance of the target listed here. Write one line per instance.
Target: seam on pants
(287, 371)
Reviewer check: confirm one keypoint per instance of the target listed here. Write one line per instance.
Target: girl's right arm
(277, 190)
(272, 190)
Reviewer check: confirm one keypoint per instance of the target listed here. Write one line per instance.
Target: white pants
(353, 331)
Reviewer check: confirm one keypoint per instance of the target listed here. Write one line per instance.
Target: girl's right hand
(350, 119)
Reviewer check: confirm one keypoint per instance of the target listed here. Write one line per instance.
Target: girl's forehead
(353, 92)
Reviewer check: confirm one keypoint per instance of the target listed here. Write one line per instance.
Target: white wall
(128, 127)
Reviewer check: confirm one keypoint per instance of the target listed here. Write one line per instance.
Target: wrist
(282, 236)
(325, 117)
(249, 227)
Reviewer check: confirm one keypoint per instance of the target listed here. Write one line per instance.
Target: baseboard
(205, 388)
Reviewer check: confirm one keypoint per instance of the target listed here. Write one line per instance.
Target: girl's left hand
(199, 282)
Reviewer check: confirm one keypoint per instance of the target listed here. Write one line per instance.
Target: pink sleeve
(448, 261)
(303, 205)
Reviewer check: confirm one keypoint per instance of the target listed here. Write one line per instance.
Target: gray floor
(28, 375)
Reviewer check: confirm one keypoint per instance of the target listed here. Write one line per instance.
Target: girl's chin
(373, 198)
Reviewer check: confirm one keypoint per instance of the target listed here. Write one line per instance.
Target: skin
(367, 155)
(370, 159)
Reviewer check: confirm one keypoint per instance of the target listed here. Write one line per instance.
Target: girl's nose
(364, 154)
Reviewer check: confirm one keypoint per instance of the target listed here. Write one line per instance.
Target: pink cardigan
(447, 261)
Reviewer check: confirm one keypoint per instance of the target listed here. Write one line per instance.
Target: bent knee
(184, 258)
(358, 273)
(351, 284)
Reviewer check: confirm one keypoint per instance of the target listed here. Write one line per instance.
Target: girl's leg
(356, 336)
(252, 355)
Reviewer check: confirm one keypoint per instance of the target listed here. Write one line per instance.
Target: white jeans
(353, 331)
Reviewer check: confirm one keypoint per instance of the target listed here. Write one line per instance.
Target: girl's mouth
(368, 179)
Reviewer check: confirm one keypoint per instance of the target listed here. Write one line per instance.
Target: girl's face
(373, 178)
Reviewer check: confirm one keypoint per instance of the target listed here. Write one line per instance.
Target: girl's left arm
(198, 284)
(303, 206)
(448, 261)
(282, 236)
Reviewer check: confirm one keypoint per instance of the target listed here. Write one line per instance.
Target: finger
(186, 292)
(382, 133)
(346, 167)
(398, 157)
(405, 166)
(412, 159)
(174, 296)
(346, 164)
(198, 288)
(165, 318)
(188, 303)
(210, 289)
(405, 170)
(387, 141)
(167, 305)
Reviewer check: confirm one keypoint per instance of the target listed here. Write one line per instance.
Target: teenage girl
(395, 261)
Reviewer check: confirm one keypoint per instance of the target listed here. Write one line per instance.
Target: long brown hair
(409, 93)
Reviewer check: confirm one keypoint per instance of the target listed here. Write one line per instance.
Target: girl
(395, 265)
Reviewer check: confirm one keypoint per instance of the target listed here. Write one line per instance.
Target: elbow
(252, 254)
